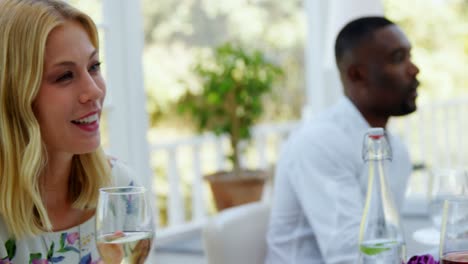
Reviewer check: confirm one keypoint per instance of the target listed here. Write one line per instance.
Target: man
(319, 191)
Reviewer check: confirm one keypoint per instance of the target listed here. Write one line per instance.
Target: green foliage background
(233, 82)
(438, 30)
(176, 31)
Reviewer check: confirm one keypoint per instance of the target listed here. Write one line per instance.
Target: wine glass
(454, 231)
(124, 225)
(445, 183)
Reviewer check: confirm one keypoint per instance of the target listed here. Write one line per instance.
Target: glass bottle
(380, 237)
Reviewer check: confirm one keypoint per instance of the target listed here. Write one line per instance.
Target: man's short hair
(353, 33)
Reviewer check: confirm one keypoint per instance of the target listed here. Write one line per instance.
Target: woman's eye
(65, 77)
(95, 67)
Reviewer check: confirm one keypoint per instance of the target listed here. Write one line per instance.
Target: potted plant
(233, 83)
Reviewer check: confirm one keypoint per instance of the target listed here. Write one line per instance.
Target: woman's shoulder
(7, 244)
(122, 174)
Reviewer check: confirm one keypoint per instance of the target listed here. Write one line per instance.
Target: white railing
(434, 135)
(179, 167)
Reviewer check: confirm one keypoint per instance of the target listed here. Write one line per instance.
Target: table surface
(410, 225)
(191, 251)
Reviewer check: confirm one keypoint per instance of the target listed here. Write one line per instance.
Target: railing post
(260, 142)
(198, 205)
(422, 136)
(461, 122)
(220, 155)
(446, 137)
(435, 150)
(176, 204)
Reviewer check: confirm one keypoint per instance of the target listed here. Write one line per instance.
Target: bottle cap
(375, 132)
(375, 145)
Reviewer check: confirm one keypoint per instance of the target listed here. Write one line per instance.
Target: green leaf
(34, 256)
(213, 98)
(50, 253)
(10, 246)
(62, 240)
(68, 248)
(375, 248)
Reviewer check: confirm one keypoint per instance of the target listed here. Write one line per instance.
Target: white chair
(237, 235)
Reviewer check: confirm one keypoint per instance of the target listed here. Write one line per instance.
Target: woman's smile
(89, 122)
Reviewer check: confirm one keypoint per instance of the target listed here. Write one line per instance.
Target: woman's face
(69, 103)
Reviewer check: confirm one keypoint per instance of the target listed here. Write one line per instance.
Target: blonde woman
(51, 162)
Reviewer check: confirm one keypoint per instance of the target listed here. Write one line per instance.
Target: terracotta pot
(229, 191)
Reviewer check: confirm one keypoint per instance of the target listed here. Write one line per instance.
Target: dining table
(420, 235)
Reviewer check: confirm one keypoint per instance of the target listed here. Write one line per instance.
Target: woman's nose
(91, 90)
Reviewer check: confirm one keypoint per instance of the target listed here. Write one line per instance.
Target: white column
(316, 27)
(127, 119)
(325, 19)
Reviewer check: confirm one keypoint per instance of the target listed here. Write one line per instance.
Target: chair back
(237, 235)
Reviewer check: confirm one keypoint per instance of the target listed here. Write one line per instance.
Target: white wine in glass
(124, 225)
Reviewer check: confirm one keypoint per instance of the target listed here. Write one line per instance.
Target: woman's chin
(88, 148)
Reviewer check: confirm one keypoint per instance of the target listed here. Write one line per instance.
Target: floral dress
(72, 246)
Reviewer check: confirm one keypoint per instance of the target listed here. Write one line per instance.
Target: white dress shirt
(319, 191)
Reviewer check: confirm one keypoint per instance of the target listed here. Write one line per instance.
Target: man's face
(390, 74)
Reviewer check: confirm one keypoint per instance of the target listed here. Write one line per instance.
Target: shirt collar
(353, 113)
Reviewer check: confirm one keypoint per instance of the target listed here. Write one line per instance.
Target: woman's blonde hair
(24, 28)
